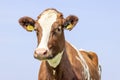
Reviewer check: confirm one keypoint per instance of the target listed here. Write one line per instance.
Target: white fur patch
(46, 20)
(84, 64)
(56, 60)
(99, 70)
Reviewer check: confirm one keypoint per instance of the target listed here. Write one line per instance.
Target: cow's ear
(70, 22)
(27, 23)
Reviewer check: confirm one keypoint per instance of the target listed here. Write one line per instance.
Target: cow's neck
(56, 60)
(62, 70)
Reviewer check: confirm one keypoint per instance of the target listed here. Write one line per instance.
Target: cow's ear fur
(70, 22)
(27, 23)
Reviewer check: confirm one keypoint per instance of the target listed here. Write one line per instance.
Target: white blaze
(46, 20)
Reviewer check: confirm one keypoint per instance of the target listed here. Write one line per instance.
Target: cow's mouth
(46, 56)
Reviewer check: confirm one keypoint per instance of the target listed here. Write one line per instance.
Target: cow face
(49, 28)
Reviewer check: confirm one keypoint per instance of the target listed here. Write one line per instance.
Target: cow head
(49, 28)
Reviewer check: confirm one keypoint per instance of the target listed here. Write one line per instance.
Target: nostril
(45, 52)
(40, 51)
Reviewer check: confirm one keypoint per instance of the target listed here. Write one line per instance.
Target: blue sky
(98, 30)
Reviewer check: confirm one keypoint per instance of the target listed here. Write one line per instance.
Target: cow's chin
(44, 57)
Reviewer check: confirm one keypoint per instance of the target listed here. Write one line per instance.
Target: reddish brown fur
(69, 68)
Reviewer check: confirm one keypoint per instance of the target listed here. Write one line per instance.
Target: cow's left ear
(70, 22)
(27, 23)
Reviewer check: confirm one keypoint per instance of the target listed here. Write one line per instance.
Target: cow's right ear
(27, 23)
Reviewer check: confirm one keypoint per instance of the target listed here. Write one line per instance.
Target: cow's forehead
(47, 18)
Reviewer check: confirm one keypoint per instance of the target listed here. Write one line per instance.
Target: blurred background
(98, 30)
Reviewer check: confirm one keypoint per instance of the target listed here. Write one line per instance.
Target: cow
(60, 59)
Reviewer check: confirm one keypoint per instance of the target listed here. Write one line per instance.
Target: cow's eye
(59, 29)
